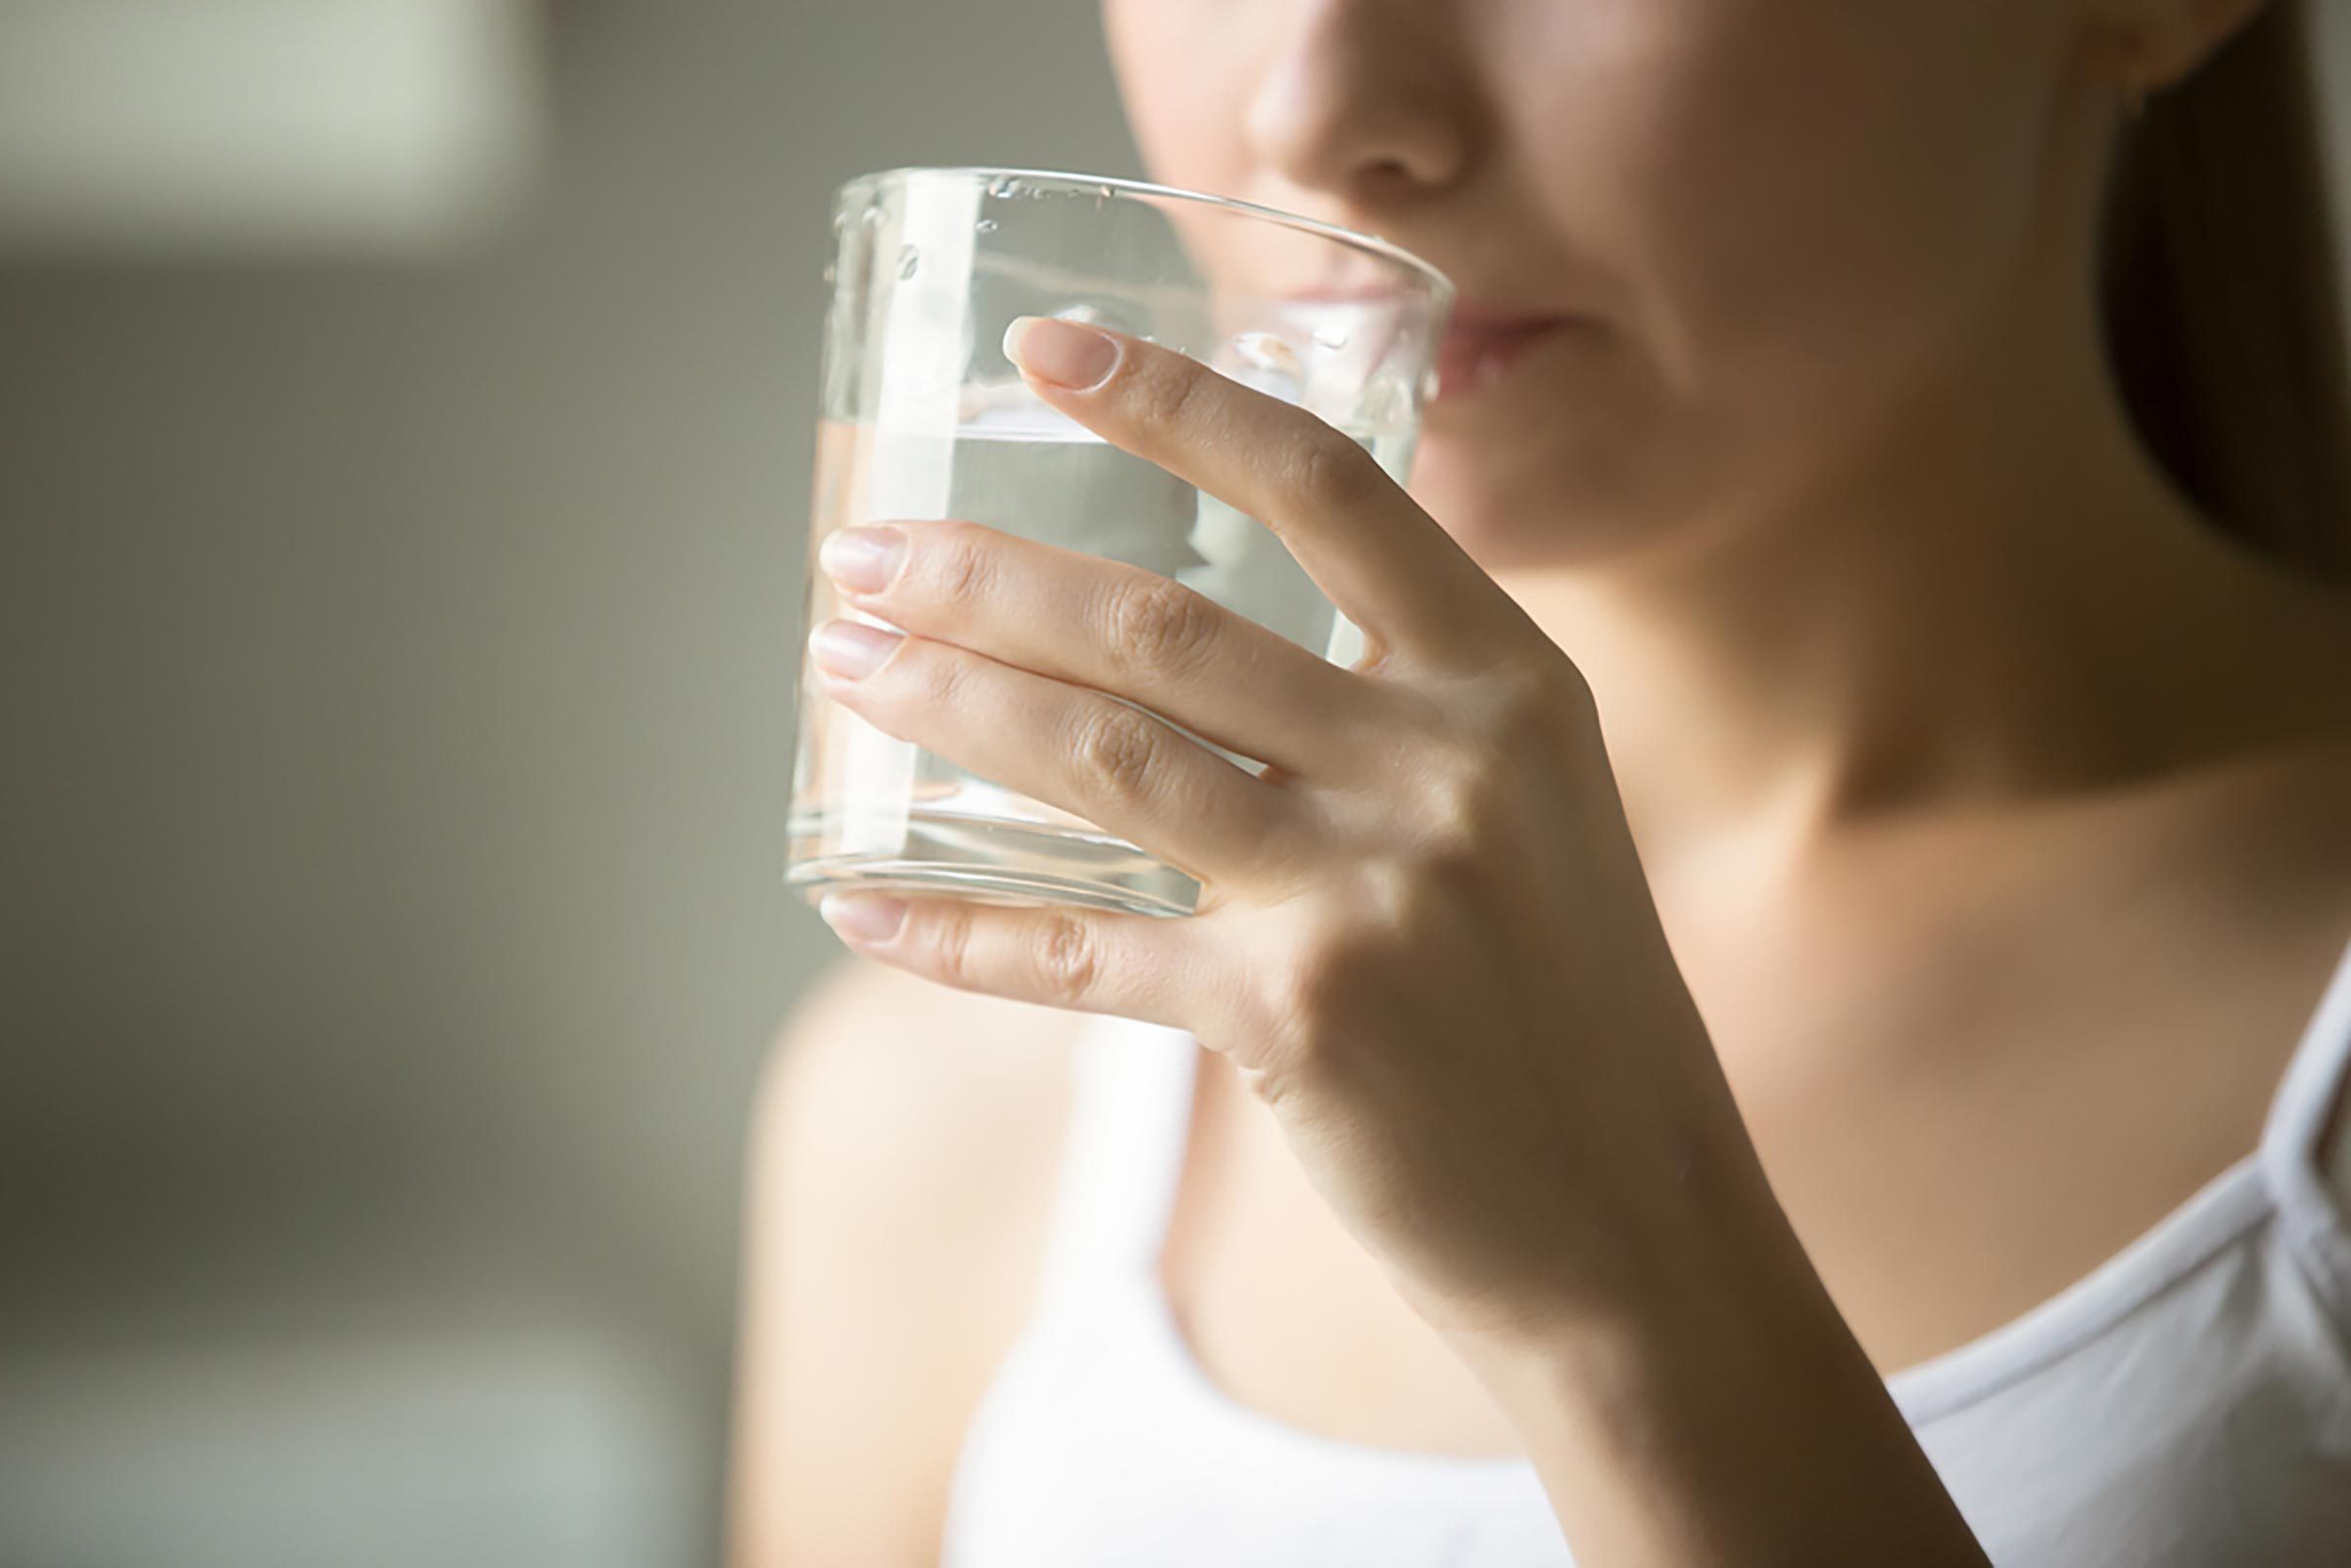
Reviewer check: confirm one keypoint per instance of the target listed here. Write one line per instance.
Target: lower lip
(1467, 360)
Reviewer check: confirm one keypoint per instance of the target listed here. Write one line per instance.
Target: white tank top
(2186, 1404)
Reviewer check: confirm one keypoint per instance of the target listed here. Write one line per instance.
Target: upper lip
(1469, 314)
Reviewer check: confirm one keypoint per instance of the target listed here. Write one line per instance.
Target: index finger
(1383, 561)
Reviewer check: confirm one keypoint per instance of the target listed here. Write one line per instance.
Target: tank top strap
(2309, 1192)
(1121, 1158)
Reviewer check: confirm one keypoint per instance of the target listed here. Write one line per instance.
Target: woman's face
(1777, 221)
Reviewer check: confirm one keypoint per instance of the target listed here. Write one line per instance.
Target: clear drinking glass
(923, 416)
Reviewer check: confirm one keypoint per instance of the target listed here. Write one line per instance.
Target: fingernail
(851, 649)
(866, 917)
(1060, 352)
(864, 558)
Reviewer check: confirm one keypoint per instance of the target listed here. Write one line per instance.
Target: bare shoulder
(871, 1056)
(904, 1146)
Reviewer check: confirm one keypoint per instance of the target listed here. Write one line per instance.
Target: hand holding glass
(923, 416)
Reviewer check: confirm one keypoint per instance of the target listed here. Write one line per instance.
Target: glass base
(989, 861)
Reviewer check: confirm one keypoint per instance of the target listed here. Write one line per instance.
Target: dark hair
(2222, 308)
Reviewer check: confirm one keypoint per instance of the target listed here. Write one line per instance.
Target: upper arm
(891, 1214)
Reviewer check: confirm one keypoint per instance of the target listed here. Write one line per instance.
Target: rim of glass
(1357, 238)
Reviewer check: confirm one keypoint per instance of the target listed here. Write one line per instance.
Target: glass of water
(923, 416)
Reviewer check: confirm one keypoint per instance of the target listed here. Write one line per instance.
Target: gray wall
(395, 660)
(398, 700)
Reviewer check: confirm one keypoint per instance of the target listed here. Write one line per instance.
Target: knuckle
(1328, 471)
(1067, 959)
(1487, 734)
(1462, 808)
(1536, 705)
(1467, 830)
(1424, 890)
(961, 568)
(950, 943)
(1116, 748)
(1162, 391)
(937, 677)
(1158, 626)
(1390, 888)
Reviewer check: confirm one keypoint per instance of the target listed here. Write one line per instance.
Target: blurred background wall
(404, 459)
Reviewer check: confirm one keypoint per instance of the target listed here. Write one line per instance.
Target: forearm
(1727, 1417)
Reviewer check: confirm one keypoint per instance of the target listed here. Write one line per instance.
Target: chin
(1552, 475)
(1521, 505)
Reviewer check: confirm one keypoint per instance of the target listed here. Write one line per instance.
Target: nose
(1364, 102)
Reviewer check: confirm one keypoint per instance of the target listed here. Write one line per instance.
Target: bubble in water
(910, 261)
(1264, 350)
(1428, 385)
(831, 272)
(840, 220)
(1103, 191)
(1332, 338)
(1003, 187)
(871, 218)
(1086, 314)
(986, 226)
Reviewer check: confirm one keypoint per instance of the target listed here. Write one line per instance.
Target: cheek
(1183, 77)
(1799, 202)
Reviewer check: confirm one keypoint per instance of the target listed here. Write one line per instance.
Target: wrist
(1702, 1260)
(1716, 1408)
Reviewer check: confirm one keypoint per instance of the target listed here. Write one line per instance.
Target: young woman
(1795, 1009)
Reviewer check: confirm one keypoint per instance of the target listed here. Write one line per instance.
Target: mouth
(1478, 346)
(1480, 340)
